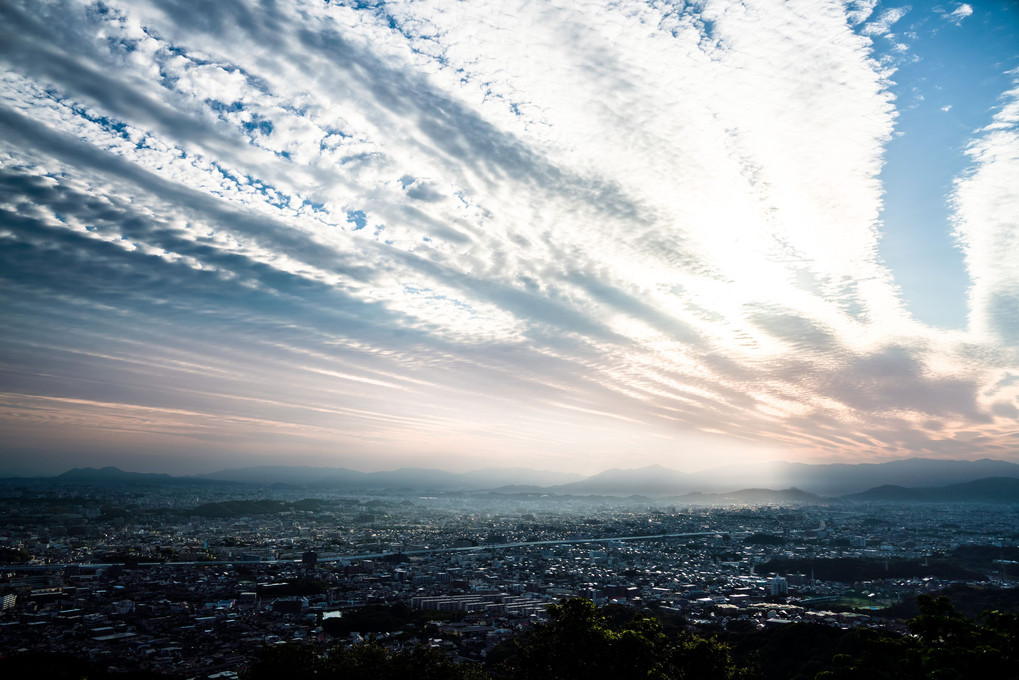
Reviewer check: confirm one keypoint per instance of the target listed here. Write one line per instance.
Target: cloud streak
(426, 231)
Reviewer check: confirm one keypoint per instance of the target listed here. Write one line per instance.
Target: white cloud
(960, 13)
(883, 24)
(860, 10)
(478, 225)
(987, 224)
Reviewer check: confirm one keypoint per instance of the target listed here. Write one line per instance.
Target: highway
(367, 556)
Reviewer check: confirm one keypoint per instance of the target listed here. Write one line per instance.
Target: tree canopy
(943, 645)
(366, 661)
(582, 642)
(579, 643)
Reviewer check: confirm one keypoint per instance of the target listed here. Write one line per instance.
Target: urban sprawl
(180, 581)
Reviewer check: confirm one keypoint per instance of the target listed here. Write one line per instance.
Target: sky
(565, 235)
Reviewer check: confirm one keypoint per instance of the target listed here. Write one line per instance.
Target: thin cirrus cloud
(473, 233)
(962, 11)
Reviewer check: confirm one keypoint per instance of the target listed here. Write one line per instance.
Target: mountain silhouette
(988, 490)
(653, 480)
(896, 480)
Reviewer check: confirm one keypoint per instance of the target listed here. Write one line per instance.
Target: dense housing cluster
(181, 581)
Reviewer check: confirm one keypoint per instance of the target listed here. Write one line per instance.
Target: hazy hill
(822, 479)
(494, 477)
(840, 478)
(110, 474)
(288, 474)
(337, 478)
(904, 480)
(989, 490)
(653, 480)
(403, 478)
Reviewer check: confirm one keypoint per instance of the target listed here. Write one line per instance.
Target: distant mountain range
(989, 490)
(653, 480)
(916, 479)
(111, 474)
(824, 480)
(839, 478)
(404, 478)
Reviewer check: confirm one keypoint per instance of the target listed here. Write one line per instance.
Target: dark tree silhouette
(944, 645)
(368, 661)
(579, 643)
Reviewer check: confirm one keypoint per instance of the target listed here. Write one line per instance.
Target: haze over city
(564, 236)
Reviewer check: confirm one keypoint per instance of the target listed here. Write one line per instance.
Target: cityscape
(509, 339)
(191, 577)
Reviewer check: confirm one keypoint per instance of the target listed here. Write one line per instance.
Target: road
(368, 556)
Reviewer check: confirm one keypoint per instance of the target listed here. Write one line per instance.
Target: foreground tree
(368, 661)
(944, 645)
(578, 643)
